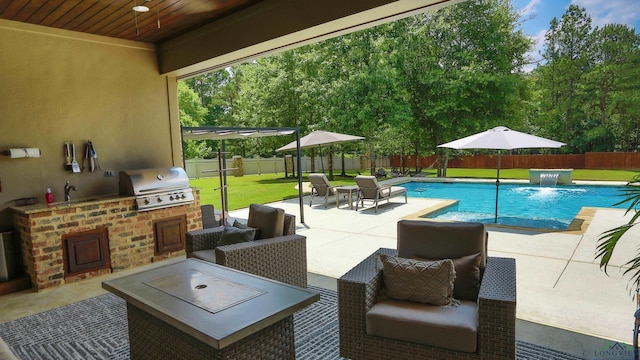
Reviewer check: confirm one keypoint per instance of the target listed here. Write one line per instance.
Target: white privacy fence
(197, 168)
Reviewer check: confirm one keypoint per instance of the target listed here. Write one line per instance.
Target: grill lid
(149, 181)
(157, 188)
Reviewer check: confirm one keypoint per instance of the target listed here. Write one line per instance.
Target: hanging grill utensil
(74, 163)
(67, 155)
(91, 156)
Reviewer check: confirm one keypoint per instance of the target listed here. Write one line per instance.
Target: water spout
(549, 179)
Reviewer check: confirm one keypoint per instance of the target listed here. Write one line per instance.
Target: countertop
(41, 207)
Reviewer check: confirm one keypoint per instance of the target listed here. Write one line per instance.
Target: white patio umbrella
(320, 137)
(501, 138)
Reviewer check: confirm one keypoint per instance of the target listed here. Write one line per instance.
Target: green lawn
(266, 188)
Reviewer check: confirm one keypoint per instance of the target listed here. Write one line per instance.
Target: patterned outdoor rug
(96, 328)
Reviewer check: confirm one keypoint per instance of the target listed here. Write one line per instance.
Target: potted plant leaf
(610, 238)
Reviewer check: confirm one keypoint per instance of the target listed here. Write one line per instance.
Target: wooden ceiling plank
(124, 20)
(107, 19)
(60, 12)
(46, 10)
(76, 11)
(3, 5)
(169, 15)
(87, 16)
(13, 9)
(127, 29)
(25, 13)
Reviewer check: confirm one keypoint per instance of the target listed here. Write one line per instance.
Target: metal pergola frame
(225, 133)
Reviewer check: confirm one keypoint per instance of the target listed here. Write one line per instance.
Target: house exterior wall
(58, 86)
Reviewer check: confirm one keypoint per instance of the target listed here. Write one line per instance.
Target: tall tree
(588, 88)
(614, 75)
(567, 51)
(192, 113)
(463, 67)
(367, 92)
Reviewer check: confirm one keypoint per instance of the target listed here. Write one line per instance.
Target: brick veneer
(131, 238)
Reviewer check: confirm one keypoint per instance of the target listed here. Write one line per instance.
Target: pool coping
(578, 225)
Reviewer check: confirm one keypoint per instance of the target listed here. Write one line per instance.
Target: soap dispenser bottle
(49, 196)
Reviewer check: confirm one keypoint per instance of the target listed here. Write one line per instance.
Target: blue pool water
(519, 205)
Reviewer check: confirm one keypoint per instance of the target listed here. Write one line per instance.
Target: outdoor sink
(73, 202)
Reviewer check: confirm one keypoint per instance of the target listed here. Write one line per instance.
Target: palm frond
(607, 243)
(609, 239)
(634, 269)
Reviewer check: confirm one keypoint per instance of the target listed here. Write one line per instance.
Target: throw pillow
(239, 225)
(427, 282)
(467, 283)
(234, 235)
(268, 221)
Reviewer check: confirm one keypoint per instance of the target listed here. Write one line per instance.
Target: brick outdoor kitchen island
(68, 242)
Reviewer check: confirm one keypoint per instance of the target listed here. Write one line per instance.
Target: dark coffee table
(195, 310)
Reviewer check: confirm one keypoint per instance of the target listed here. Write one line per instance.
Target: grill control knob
(184, 196)
(159, 199)
(170, 197)
(146, 201)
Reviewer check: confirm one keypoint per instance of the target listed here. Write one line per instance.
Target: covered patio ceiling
(165, 19)
(196, 36)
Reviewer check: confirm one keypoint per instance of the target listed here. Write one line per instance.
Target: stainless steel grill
(156, 188)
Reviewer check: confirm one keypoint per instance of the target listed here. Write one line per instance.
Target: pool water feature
(520, 205)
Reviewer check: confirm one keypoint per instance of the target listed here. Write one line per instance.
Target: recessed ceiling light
(140, 8)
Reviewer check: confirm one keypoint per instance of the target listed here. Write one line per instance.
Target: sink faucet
(67, 189)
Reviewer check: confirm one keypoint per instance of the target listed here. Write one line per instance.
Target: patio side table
(347, 189)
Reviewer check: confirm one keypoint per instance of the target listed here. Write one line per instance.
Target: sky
(536, 15)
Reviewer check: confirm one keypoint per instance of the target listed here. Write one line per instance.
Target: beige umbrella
(318, 138)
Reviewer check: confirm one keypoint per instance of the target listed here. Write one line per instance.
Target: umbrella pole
(495, 220)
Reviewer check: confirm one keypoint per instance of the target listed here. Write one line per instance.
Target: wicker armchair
(281, 258)
(360, 289)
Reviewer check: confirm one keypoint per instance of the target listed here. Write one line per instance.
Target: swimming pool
(521, 205)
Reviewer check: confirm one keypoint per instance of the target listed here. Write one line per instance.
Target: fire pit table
(196, 310)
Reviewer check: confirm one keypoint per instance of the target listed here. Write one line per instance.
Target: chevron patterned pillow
(427, 282)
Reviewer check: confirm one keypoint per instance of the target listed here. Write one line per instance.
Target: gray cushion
(234, 235)
(466, 286)
(441, 240)
(239, 225)
(208, 216)
(453, 328)
(206, 255)
(268, 221)
(428, 282)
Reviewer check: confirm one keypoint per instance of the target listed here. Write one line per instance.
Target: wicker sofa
(360, 289)
(282, 258)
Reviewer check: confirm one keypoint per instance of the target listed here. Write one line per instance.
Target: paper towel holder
(17, 153)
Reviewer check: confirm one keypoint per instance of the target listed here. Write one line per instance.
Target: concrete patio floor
(564, 300)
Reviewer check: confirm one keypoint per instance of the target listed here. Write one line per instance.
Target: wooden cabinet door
(170, 234)
(86, 251)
